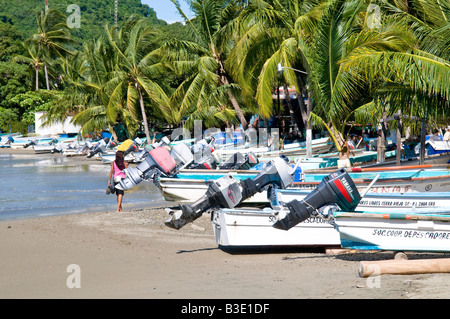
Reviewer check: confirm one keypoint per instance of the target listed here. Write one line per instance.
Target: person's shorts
(119, 191)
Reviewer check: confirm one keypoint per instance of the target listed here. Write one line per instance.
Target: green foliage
(7, 117)
(94, 15)
(10, 42)
(30, 102)
(14, 79)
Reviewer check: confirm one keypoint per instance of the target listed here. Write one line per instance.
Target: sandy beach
(132, 254)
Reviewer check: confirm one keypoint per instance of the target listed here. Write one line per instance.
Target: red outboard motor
(158, 160)
(337, 188)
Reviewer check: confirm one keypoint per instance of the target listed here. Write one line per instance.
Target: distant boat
(319, 146)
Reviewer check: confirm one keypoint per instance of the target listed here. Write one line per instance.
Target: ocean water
(43, 185)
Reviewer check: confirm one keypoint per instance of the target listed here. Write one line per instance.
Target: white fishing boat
(392, 180)
(189, 185)
(45, 146)
(7, 139)
(319, 146)
(188, 190)
(25, 142)
(407, 231)
(376, 202)
(251, 227)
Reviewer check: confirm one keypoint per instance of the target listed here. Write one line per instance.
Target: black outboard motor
(32, 142)
(227, 192)
(207, 162)
(337, 188)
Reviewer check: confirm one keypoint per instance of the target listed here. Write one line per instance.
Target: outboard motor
(32, 142)
(227, 192)
(181, 153)
(133, 147)
(99, 148)
(337, 188)
(157, 161)
(239, 161)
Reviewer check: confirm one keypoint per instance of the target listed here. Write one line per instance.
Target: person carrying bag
(117, 174)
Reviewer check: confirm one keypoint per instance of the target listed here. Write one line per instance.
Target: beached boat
(245, 227)
(188, 189)
(407, 231)
(319, 146)
(251, 227)
(330, 160)
(376, 201)
(391, 180)
(188, 185)
(7, 139)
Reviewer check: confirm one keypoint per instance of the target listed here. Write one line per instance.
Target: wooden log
(338, 251)
(404, 267)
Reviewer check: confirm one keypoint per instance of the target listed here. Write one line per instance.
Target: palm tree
(418, 76)
(86, 79)
(266, 37)
(52, 38)
(203, 62)
(318, 39)
(137, 67)
(33, 58)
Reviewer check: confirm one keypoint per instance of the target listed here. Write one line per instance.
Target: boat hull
(189, 190)
(192, 187)
(377, 202)
(253, 228)
(396, 232)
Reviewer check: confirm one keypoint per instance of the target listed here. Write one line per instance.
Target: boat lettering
(315, 220)
(390, 189)
(387, 233)
(311, 220)
(413, 234)
(398, 203)
(347, 187)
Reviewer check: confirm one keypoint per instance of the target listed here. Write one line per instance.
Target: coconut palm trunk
(237, 109)
(224, 81)
(144, 116)
(46, 76)
(37, 79)
(294, 120)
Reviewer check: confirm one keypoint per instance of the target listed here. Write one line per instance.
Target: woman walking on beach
(117, 167)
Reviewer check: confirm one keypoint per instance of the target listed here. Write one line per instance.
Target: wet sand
(133, 255)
